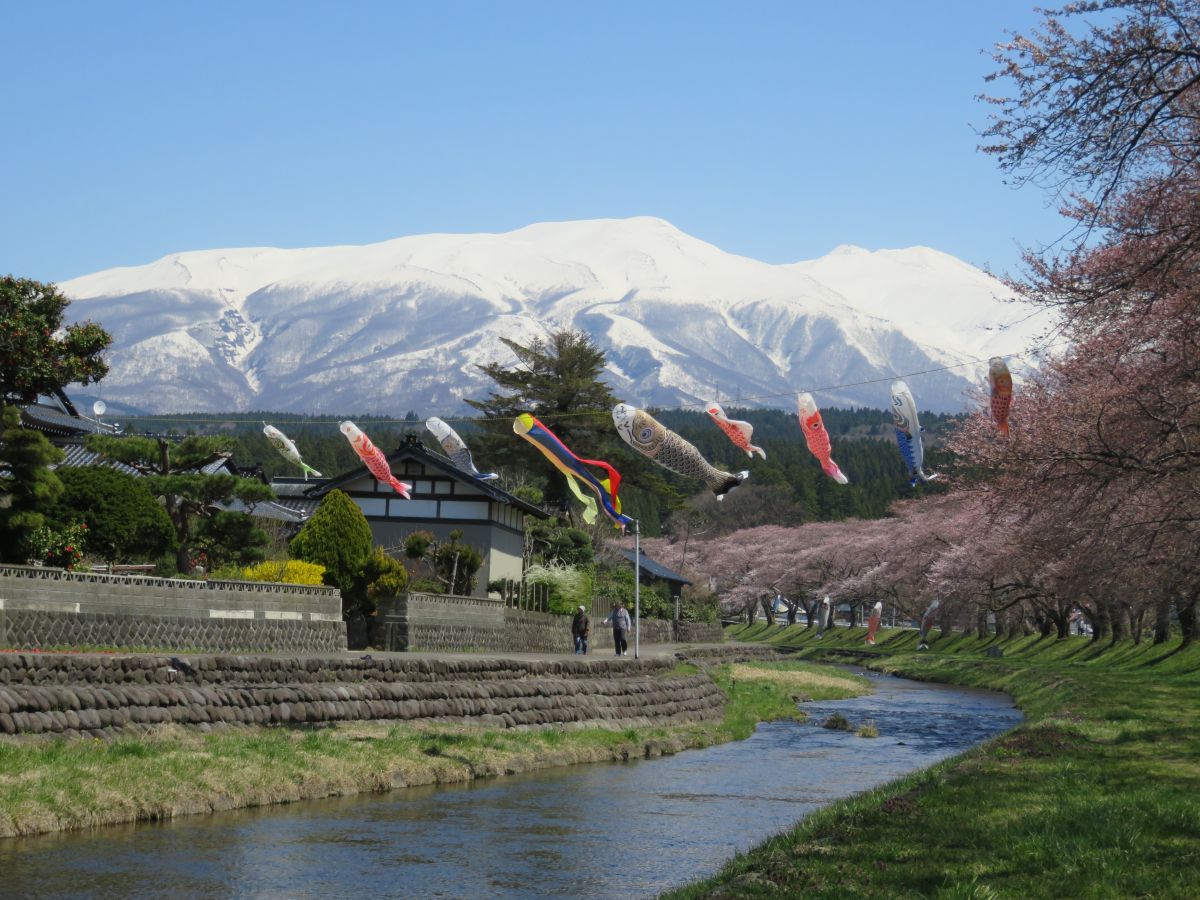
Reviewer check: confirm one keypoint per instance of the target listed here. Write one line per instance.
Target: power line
(558, 416)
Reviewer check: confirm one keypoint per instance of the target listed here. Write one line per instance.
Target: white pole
(637, 588)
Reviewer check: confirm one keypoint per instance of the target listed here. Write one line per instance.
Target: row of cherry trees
(1092, 506)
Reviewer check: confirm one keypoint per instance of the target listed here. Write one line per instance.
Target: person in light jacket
(620, 626)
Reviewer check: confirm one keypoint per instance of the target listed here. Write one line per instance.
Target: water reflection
(618, 830)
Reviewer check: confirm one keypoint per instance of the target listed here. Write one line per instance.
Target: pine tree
(173, 473)
(27, 484)
(338, 537)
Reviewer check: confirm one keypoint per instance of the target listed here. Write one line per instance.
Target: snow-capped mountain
(401, 325)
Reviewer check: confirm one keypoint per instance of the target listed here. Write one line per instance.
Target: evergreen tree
(27, 484)
(125, 522)
(338, 537)
(558, 380)
(38, 355)
(174, 473)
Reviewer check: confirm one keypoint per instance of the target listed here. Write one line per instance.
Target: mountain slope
(402, 324)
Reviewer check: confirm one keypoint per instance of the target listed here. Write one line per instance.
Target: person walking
(581, 629)
(620, 626)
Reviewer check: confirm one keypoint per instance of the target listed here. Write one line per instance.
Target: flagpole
(637, 588)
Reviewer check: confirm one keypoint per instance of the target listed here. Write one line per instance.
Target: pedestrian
(620, 626)
(581, 629)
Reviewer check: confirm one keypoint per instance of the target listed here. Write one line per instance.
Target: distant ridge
(401, 325)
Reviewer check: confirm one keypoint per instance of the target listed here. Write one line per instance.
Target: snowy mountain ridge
(399, 325)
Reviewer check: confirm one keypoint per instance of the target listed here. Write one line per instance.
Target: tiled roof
(655, 569)
(411, 449)
(79, 456)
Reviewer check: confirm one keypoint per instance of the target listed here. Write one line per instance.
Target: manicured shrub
(125, 522)
(338, 538)
(287, 571)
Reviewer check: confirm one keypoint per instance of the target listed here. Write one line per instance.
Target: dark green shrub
(338, 538)
(126, 523)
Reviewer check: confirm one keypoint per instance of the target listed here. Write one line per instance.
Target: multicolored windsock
(873, 621)
(287, 449)
(572, 466)
(649, 438)
(735, 429)
(908, 432)
(374, 459)
(817, 437)
(455, 448)
(1000, 385)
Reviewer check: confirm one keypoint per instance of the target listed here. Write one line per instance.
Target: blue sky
(777, 130)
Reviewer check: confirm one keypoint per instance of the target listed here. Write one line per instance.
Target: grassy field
(53, 785)
(1096, 795)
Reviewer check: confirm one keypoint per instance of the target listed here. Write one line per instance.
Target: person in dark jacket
(581, 629)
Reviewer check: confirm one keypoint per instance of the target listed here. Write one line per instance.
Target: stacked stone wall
(98, 696)
(44, 607)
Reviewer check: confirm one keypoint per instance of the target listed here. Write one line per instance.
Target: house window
(464, 509)
(372, 506)
(441, 487)
(413, 509)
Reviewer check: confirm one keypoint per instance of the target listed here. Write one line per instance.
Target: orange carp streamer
(374, 459)
(735, 429)
(817, 437)
(1000, 384)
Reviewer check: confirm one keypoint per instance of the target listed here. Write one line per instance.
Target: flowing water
(611, 830)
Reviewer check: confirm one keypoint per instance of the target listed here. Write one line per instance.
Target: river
(610, 830)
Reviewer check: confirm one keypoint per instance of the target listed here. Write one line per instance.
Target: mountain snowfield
(401, 325)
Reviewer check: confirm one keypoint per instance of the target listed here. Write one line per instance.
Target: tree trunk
(981, 624)
(1162, 620)
(1189, 622)
(1120, 622)
(1101, 622)
(1045, 626)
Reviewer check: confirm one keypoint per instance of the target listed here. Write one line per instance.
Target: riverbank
(1095, 795)
(55, 785)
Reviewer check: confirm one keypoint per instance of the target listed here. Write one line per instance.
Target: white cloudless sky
(777, 130)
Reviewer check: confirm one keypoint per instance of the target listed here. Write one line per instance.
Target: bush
(62, 547)
(426, 586)
(287, 571)
(385, 576)
(126, 523)
(570, 587)
(338, 538)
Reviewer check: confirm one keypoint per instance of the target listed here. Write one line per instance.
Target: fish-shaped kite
(817, 437)
(1001, 388)
(927, 624)
(645, 435)
(873, 621)
(908, 432)
(589, 503)
(455, 448)
(824, 616)
(735, 429)
(287, 449)
(374, 459)
(604, 488)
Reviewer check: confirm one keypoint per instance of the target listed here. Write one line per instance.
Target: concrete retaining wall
(47, 607)
(100, 696)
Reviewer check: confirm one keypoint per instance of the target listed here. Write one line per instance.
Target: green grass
(1096, 795)
(57, 785)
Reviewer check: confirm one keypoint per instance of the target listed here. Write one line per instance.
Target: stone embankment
(105, 696)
